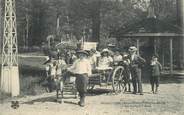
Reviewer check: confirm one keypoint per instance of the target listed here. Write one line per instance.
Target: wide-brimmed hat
(132, 49)
(83, 52)
(125, 54)
(93, 50)
(105, 51)
(155, 56)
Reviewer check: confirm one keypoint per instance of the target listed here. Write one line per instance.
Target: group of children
(87, 61)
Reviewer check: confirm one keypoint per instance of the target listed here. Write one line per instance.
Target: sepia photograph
(92, 57)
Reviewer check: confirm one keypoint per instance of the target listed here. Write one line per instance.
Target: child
(156, 68)
(117, 57)
(52, 75)
(127, 76)
(61, 66)
(105, 61)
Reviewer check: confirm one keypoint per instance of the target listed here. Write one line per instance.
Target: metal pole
(10, 71)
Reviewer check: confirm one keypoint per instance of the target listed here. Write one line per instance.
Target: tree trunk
(1, 24)
(27, 32)
(58, 27)
(179, 5)
(96, 22)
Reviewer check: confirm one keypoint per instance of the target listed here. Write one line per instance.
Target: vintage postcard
(92, 57)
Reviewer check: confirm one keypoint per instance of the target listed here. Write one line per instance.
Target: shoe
(125, 89)
(134, 92)
(81, 102)
(141, 94)
(156, 90)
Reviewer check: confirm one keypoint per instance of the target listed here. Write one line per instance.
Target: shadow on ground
(99, 91)
(94, 92)
(164, 79)
(42, 100)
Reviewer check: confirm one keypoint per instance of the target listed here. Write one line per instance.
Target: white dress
(104, 63)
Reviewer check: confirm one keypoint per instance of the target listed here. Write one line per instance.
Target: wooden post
(163, 58)
(155, 46)
(171, 56)
(137, 46)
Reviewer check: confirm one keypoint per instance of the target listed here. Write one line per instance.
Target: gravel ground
(169, 101)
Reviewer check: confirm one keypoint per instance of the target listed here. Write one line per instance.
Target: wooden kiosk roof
(149, 27)
(153, 35)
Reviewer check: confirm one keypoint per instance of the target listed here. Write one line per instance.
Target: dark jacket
(137, 63)
(156, 69)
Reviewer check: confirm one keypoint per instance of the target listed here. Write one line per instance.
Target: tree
(1, 23)
(36, 19)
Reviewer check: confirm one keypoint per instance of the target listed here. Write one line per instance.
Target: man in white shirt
(81, 69)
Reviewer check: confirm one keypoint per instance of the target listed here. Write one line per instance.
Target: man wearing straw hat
(136, 63)
(81, 68)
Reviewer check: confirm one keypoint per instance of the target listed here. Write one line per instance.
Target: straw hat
(83, 52)
(132, 49)
(105, 50)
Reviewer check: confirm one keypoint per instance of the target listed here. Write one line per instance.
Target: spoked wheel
(117, 80)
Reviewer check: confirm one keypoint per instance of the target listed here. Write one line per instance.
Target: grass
(31, 73)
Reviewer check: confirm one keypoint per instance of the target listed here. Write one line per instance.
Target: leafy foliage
(96, 19)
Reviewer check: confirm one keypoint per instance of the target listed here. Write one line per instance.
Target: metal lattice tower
(10, 73)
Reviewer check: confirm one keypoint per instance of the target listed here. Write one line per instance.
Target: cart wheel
(117, 81)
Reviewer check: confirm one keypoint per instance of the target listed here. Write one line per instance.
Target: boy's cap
(155, 56)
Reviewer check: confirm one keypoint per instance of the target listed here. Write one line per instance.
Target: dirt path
(170, 101)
